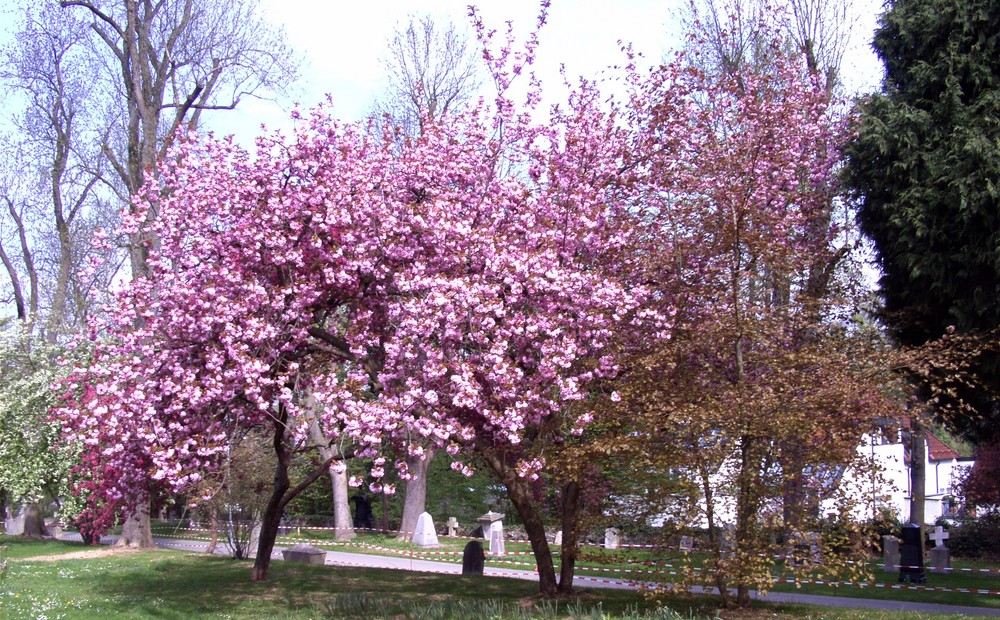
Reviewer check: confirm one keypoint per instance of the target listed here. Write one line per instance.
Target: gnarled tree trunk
(415, 501)
(520, 496)
(570, 510)
(137, 531)
(34, 523)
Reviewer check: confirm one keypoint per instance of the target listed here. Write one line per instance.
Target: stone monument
(612, 538)
(890, 554)
(940, 553)
(473, 558)
(497, 544)
(425, 535)
(911, 556)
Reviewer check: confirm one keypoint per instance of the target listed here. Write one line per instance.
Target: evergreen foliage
(924, 166)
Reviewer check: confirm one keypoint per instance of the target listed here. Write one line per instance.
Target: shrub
(977, 537)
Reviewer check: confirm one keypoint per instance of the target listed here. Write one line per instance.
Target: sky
(343, 45)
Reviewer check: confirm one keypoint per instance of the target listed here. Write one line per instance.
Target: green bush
(977, 538)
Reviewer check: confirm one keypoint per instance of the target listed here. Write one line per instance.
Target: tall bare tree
(164, 64)
(432, 69)
(169, 61)
(52, 203)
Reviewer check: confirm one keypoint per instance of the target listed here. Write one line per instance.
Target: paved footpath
(343, 558)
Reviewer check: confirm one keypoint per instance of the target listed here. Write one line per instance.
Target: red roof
(937, 450)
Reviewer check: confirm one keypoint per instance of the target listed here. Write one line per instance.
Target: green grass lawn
(665, 567)
(169, 584)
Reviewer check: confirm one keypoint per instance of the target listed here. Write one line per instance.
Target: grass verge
(166, 584)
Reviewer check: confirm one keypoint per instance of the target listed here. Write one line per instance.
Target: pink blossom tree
(455, 290)
(459, 289)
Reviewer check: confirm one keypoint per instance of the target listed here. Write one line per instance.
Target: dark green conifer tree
(925, 169)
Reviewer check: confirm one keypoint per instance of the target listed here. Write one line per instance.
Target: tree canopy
(924, 167)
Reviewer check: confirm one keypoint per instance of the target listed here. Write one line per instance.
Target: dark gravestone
(911, 556)
(473, 558)
(364, 518)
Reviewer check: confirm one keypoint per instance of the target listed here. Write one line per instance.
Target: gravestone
(497, 544)
(939, 535)
(486, 521)
(806, 549)
(911, 557)
(452, 526)
(304, 554)
(890, 554)
(473, 558)
(687, 544)
(612, 538)
(727, 540)
(940, 553)
(14, 526)
(425, 535)
(557, 541)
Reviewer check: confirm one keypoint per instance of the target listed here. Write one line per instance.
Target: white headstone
(612, 538)
(452, 526)
(558, 539)
(940, 559)
(497, 545)
(425, 535)
(890, 554)
(939, 536)
(14, 526)
(687, 544)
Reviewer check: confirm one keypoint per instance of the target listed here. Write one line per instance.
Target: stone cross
(939, 536)
(452, 526)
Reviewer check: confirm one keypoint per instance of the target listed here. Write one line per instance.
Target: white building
(890, 453)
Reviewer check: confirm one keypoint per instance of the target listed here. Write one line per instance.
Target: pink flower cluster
(432, 291)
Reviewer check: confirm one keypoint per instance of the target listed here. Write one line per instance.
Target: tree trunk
(272, 514)
(342, 522)
(137, 532)
(794, 499)
(520, 497)
(269, 529)
(415, 500)
(714, 543)
(570, 536)
(343, 526)
(918, 476)
(34, 522)
(747, 503)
